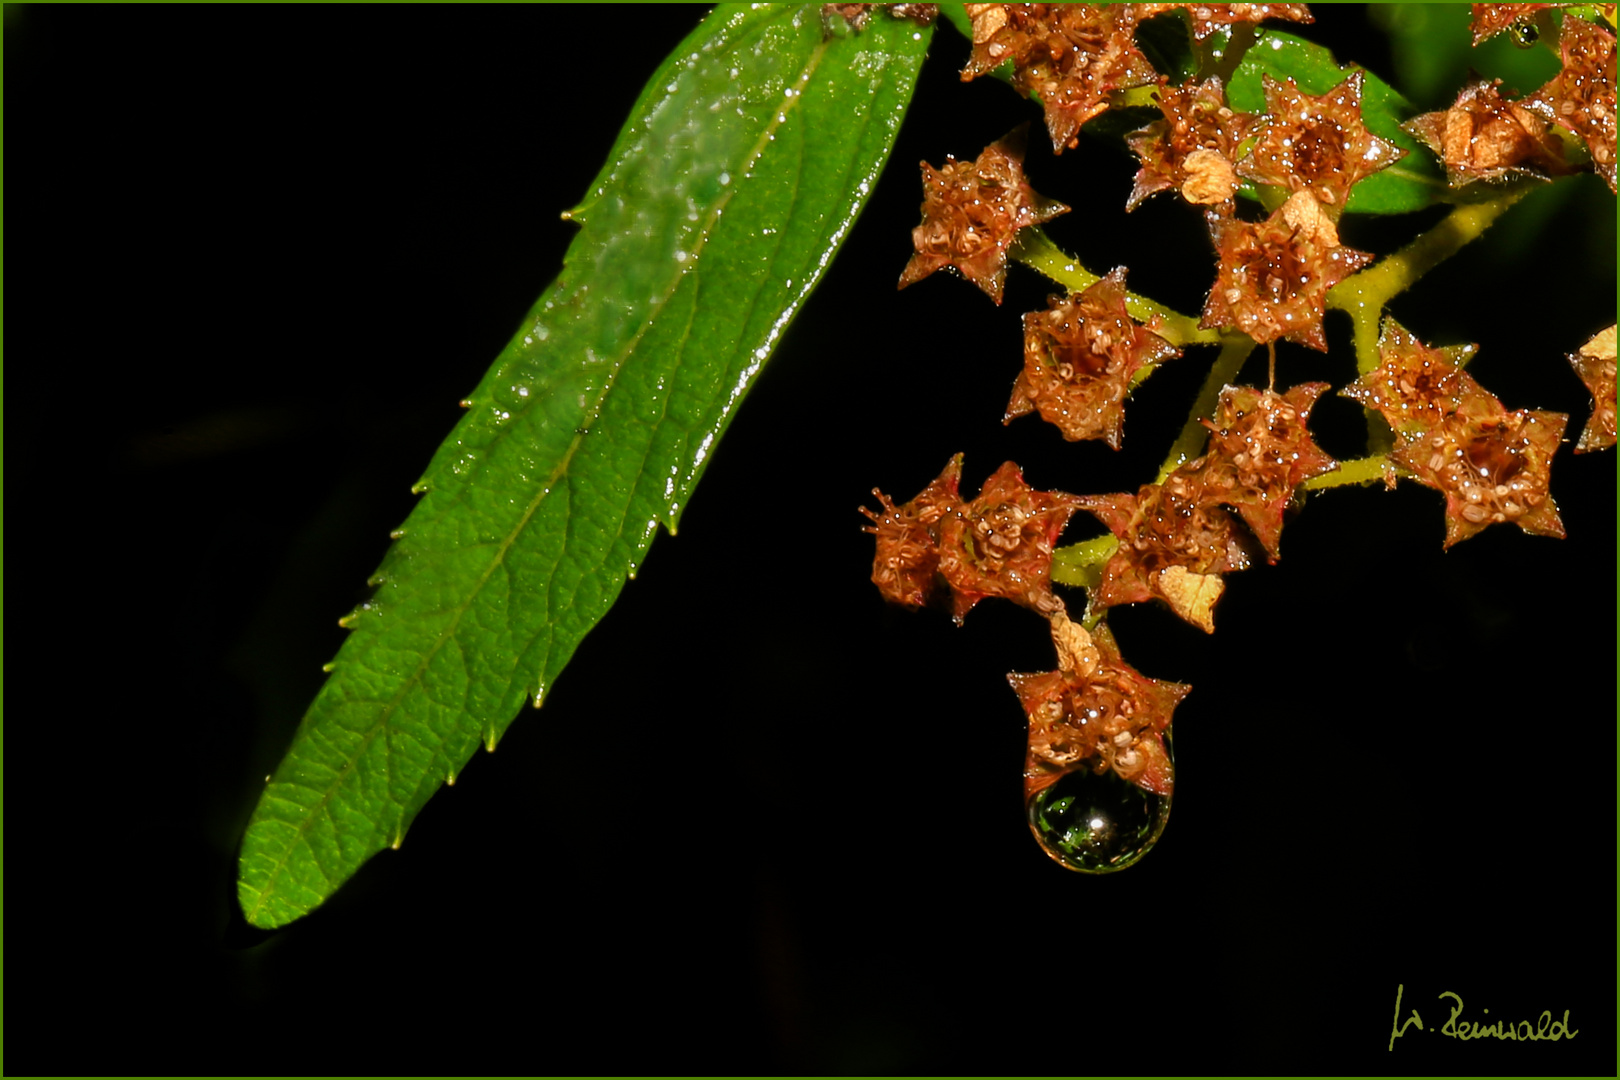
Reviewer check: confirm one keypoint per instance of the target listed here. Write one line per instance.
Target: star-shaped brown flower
(1486, 137)
(1594, 363)
(1581, 97)
(1096, 712)
(1316, 144)
(906, 567)
(1174, 543)
(854, 17)
(1193, 149)
(972, 210)
(1071, 55)
(1491, 465)
(1001, 544)
(1273, 277)
(1079, 358)
(1259, 452)
(1209, 18)
(1414, 386)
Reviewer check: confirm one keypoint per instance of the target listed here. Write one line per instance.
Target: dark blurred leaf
(737, 176)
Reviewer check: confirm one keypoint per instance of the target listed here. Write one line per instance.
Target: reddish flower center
(1278, 272)
(1318, 151)
(1495, 456)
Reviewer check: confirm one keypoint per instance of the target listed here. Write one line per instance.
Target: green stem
(1081, 564)
(1035, 249)
(1235, 348)
(1363, 296)
(1222, 57)
(1360, 471)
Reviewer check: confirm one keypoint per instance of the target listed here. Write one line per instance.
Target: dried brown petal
(1190, 595)
(1414, 386)
(1209, 18)
(1076, 651)
(1594, 363)
(1316, 144)
(922, 14)
(907, 562)
(1581, 97)
(1259, 452)
(1492, 467)
(971, 213)
(1110, 717)
(986, 19)
(1079, 358)
(1273, 277)
(1162, 527)
(1485, 137)
(1302, 213)
(1001, 544)
(1073, 56)
(1193, 148)
(854, 15)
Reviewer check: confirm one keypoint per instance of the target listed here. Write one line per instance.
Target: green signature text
(1455, 1026)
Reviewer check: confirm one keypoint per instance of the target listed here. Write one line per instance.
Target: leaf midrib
(778, 117)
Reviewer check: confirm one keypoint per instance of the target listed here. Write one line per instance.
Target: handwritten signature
(1545, 1028)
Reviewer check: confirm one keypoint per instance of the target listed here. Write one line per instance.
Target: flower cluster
(1581, 97)
(1302, 142)
(906, 568)
(1208, 18)
(1491, 464)
(1316, 144)
(842, 18)
(938, 548)
(1071, 56)
(1415, 385)
(1080, 357)
(1487, 137)
(1074, 57)
(1176, 538)
(1491, 19)
(1259, 453)
(1174, 545)
(1193, 149)
(1483, 134)
(1095, 711)
(1302, 156)
(1273, 277)
(972, 210)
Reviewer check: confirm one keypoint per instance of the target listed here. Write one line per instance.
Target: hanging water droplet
(1096, 823)
(1524, 33)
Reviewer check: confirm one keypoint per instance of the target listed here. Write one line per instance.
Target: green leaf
(957, 16)
(1166, 40)
(740, 171)
(1410, 184)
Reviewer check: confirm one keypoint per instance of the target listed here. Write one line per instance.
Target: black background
(763, 823)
